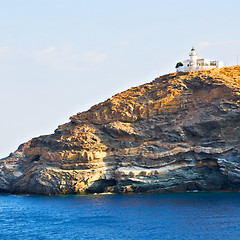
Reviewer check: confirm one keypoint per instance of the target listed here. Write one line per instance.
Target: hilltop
(180, 132)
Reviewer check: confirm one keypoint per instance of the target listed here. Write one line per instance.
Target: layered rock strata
(180, 132)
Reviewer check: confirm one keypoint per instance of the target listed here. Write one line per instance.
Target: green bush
(179, 64)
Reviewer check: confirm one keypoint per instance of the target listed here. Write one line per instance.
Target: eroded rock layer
(180, 132)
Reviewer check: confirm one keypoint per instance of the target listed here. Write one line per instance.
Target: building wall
(195, 68)
(202, 64)
(220, 64)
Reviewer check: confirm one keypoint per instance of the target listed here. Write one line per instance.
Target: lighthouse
(195, 64)
(193, 57)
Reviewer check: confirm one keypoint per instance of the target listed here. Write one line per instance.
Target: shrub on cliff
(179, 64)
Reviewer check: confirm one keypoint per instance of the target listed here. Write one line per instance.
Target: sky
(58, 58)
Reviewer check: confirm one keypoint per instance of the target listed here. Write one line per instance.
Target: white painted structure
(195, 64)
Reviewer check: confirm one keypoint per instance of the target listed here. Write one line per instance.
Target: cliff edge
(180, 132)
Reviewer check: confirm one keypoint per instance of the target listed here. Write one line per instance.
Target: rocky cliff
(180, 132)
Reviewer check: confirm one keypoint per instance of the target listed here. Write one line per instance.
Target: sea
(173, 216)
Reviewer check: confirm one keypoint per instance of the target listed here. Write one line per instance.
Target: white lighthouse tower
(193, 57)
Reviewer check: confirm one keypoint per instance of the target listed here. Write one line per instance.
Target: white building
(195, 64)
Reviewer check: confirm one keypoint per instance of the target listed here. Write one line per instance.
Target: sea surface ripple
(154, 216)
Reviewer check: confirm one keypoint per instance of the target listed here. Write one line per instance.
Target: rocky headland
(180, 132)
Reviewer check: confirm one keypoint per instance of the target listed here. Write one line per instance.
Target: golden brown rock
(180, 132)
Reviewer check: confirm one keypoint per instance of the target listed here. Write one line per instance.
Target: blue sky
(58, 58)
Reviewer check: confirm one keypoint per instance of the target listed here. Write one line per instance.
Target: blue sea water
(154, 216)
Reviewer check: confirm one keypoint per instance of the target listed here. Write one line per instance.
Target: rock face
(180, 132)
